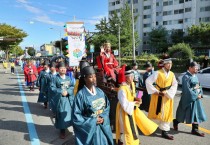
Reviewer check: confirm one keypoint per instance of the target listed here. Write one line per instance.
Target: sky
(44, 20)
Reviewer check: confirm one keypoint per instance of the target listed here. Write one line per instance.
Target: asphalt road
(20, 125)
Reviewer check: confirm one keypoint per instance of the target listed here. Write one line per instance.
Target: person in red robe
(108, 62)
(30, 72)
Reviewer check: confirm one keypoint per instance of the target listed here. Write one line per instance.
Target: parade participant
(5, 65)
(109, 62)
(30, 72)
(63, 89)
(12, 65)
(42, 83)
(161, 104)
(91, 113)
(146, 97)
(128, 115)
(205, 62)
(137, 76)
(41, 67)
(190, 109)
(52, 99)
(80, 79)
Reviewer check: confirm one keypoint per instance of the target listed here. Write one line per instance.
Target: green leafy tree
(31, 51)
(158, 39)
(108, 30)
(177, 36)
(12, 37)
(199, 34)
(17, 51)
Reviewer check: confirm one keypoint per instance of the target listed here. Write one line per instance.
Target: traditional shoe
(62, 135)
(167, 136)
(175, 124)
(194, 132)
(120, 142)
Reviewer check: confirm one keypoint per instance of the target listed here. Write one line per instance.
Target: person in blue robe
(190, 109)
(42, 84)
(146, 97)
(90, 113)
(63, 90)
(52, 98)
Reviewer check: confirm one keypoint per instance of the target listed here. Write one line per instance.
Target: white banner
(76, 42)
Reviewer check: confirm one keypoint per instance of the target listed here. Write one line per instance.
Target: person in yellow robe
(5, 65)
(128, 114)
(163, 92)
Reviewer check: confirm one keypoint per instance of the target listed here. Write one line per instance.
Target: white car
(203, 77)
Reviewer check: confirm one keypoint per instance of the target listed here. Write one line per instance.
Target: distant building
(47, 50)
(172, 14)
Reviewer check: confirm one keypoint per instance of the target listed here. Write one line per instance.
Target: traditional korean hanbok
(63, 117)
(87, 106)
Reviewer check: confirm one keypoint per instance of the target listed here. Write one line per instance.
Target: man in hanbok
(52, 99)
(128, 115)
(63, 89)
(91, 113)
(30, 72)
(146, 97)
(42, 83)
(190, 109)
(162, 99)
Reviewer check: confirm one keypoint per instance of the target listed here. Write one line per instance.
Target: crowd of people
(75, 100)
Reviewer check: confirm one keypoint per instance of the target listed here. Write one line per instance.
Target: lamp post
(60, 39)
(133, 33)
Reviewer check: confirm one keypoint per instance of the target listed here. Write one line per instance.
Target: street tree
(177, 36)
(12, 37)
(31, 51)
(16, 51)
(158, 39)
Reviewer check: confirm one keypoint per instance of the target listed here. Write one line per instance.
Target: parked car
(203, 77)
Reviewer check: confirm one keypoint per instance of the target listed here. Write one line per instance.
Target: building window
(147, 7)
(186, 20)
(135, 1)
(135, 10)
(147, 25)
(112, 4)
(204, 19)
(204, 0)
(180, 11)
(157, 4)
(117, 2)
(129, 1)
(167, 3)
(158, 13)
(147, 16)
(188, 0)
(181, 1)
(165, 13)
(157, 23)
(180, 21)
(204, 9)
(187, 9)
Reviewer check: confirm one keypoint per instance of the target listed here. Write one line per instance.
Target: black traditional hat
(53, 64)
(83, 64)
(128, 70)
(148, 64)
(61, 64)
(192, 64)
(88, 70)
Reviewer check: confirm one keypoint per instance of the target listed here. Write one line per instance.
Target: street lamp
(60, 39)
(133, 32)
(119, 43)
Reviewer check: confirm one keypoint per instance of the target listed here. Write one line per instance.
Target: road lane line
(200, 128)
(29, 120)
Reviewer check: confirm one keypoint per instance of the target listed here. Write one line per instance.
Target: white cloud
(57, 6)
(47, 20)
(57, 12)
(95, 19)
(32, 9)
(22, 1)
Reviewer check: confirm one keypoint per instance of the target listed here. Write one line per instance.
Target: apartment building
(172, 14)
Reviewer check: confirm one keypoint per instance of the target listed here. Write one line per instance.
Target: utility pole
(133, 32)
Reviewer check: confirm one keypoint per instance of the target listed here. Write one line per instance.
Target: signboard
(116, 52)
(76, 42)
(91, 48)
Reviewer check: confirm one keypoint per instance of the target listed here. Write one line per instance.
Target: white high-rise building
(172, 14)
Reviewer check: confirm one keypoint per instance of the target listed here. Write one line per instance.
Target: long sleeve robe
(63, 117)
(87, 106)
(190, 108)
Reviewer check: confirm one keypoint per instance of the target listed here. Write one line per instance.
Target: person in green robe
(90, 113)
(190, 109)
(52, 98)
(42, 84)
(63, 89)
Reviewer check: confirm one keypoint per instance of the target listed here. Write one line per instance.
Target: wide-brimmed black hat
(83, 64)
(88, 70)
(61, 64)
